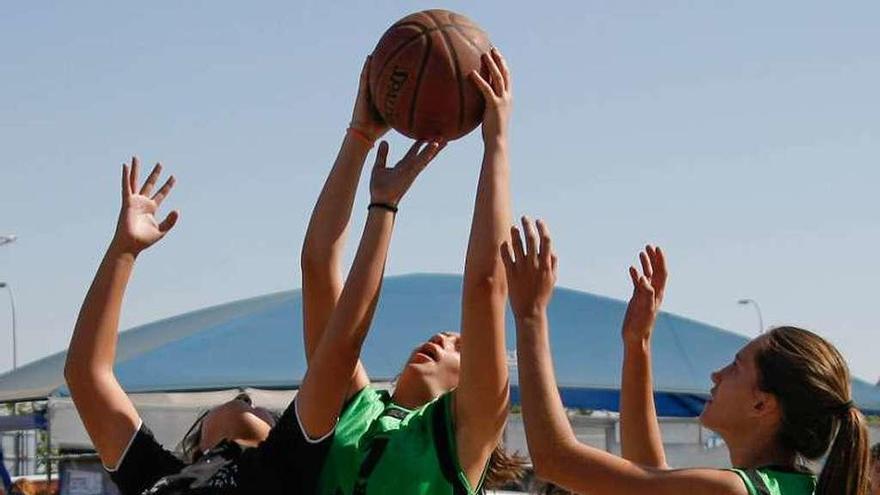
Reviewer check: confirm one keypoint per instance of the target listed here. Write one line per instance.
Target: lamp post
(746, 302)
(6, 239)
(4, 285)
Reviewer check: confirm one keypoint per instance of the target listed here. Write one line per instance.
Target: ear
(765, 405)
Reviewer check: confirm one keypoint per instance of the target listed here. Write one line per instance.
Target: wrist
(537, 315)
(495, 141)
(359, 138)
(640, 345)
(120, 251)
(387, 206)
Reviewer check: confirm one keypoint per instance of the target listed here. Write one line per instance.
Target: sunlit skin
(746, 417)
(432, 369)
(238, 421)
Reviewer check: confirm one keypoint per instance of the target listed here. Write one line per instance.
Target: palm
(648, 289)
(137, 228)
(140, 220)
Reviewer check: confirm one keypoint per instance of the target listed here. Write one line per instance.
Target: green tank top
(770, 481)
(380, 448)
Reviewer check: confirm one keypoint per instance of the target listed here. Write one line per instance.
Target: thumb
(381, 155)
(169, 222)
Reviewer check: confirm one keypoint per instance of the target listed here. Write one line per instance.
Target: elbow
(544, 466)
(490, 282)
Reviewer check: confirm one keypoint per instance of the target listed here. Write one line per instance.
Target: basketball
(419, 75)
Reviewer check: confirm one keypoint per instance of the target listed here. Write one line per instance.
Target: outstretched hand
(137, 228)
(648, 289)
(531, 270)
(365, 118)
(388, 185)
(497, 94)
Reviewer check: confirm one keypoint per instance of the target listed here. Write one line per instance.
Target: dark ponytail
(811, 380)
(846, 469)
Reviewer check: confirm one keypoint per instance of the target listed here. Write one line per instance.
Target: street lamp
(4, 285)
(6, 239)
(746, 302)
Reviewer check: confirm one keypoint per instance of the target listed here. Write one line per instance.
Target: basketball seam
(459, 30)
(415, 97)
(403, 45)
(426, 32)
(455, 70)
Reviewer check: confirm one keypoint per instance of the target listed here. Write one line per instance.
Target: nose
(716, 377)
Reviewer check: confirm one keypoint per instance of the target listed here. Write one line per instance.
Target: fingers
(135, 168)
(126, 181)
(507, 258)
(381, 155)
(516, 241)
(646, 264)
(430, 151)
(164, 190)
(531, 238)
(413, 150)
(502, 64)
(546, 250)
(497, 79)
(365, 74)
(147, 188)
(169, 221)
(658, 261)
(634, 276)
(482, 85)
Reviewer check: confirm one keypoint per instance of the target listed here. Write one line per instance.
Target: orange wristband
(360, 135)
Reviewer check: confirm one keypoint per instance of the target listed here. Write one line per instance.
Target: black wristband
(384, 206)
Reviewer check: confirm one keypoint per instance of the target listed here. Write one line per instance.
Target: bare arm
(106, 411)
(555, 451)
(321, 258)
(481, 399)
(640, 437)
(336, 356)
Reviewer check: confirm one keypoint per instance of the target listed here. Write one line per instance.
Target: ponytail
(846, 468)
(812, 382)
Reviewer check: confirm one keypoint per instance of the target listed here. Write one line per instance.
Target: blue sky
(742, 137)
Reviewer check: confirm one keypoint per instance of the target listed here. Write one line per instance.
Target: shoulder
(143, 462)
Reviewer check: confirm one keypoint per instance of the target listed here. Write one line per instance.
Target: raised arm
(106, 411)
(556, 454)
(481, 399)
(640, 437)
(336, 356)
(321, 259)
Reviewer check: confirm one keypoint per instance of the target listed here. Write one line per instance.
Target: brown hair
(505, 469)
(811, 380)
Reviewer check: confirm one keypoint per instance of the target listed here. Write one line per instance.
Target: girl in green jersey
(439, 428)
(785, 398)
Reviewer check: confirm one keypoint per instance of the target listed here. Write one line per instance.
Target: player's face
(236, 420)
(434, 366)
(734, 394)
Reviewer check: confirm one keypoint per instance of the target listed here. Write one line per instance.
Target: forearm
(640, 436)
(555, 451)
(325, 239)
(484, 294)
(491, 220)
(546, 423)
(93, 345)
(336, 355)
(329, 221)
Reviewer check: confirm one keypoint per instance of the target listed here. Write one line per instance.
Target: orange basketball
(419, 75)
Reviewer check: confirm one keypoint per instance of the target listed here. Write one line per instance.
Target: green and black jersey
(380, 448)
(772, 481)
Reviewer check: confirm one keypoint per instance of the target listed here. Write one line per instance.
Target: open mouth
(427, 352)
